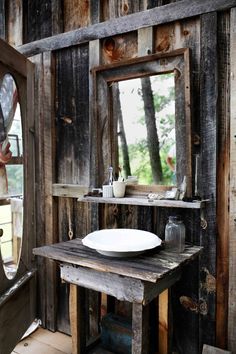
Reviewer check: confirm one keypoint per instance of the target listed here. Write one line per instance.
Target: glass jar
(175, 234)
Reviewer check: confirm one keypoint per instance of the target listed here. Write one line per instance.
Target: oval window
(11, 176)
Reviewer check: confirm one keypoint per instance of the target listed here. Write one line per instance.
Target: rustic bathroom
(117, 176)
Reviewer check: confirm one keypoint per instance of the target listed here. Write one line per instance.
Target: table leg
(164, 324)
(77, 319)
(140, 329)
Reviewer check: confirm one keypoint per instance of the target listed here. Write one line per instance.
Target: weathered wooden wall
(63, 124)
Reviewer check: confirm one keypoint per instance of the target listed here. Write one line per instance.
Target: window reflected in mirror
(11, 176)
(146, 129)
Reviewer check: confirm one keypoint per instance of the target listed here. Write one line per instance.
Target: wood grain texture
(69, 190)
(94, 60)
(41, 19)
(124, 24)
(232, 205)
(44, 341)
(148, 267)
(15, 23)
(66, 231)
(119, 47)
(16, 315)
(72, 100)
(77, 316)
(163, 321)
(144, 202)
(2, 20)
(140, 329)
(223, 188)
(122, 288)
(13, 59)
(208, 117)
(76, 14)
(44, 132)
(48, 102)
(39, 193)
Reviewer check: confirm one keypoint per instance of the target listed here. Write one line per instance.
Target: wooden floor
(43, 341)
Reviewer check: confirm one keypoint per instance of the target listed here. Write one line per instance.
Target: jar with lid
(175, 234)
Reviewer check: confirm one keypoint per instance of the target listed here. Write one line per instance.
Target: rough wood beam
(232, 197)
(164, 14)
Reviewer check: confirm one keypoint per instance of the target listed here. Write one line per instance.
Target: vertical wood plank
(46, 209)
(145, 41)
(94, 60)
(95, 11)
(2, 20)
(72, 100)
(57, 17)
(208, 121)
(77, 317)
(232, 210)
(15, 23)
(93, 209)
(223, 169)
(140, 329)
(163, 322)
(39, 182)
(66, 231)
(49, 176)
(41, 19)
(76, 14)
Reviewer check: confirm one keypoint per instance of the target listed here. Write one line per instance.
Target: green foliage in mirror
(148, 127)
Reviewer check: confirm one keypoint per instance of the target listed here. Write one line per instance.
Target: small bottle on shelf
(175, 234)
(110, 176)
(109, 179)
(107, 188)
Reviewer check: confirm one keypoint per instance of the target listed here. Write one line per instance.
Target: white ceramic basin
(121, 242)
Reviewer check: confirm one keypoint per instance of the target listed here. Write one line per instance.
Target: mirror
(158, 124)
(11, 176)
(146, 129)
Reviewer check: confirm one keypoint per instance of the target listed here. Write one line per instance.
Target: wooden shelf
(144, 202)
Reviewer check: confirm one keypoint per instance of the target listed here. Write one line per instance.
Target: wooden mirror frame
(103, 126)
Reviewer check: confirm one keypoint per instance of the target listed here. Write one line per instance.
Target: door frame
(18, 295)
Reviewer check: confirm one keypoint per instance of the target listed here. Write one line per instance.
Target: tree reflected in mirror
(146, 128)
(11, 176)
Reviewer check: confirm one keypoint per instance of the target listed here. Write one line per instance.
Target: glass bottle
(175, 234)
(110, 177)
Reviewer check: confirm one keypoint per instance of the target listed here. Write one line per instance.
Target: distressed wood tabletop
(150, 266)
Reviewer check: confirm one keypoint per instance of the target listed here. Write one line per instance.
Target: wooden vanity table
(137, 280)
